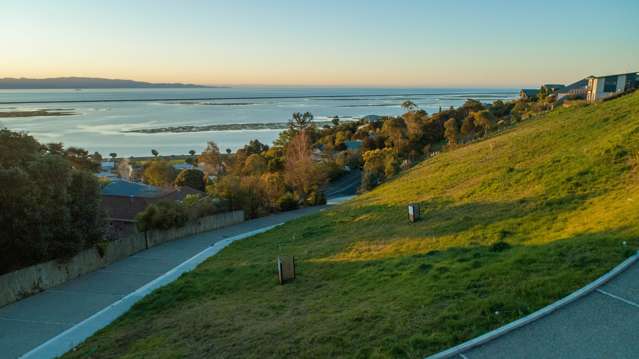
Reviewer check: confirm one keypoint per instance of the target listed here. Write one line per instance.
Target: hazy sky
(321, 42)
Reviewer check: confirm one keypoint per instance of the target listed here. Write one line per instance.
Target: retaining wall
(30, 280)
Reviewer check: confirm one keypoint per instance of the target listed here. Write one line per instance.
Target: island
(35, 113)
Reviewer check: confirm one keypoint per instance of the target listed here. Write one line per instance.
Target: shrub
(162, 215)
(499, 246)
(316, 198)
(287, 202)
(191, 178)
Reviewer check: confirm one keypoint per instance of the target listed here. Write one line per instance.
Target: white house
(601, 87)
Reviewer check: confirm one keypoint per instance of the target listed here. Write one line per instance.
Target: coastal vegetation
(511, 222)
(34, 113)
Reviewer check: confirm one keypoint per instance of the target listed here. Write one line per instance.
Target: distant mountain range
(84, 83)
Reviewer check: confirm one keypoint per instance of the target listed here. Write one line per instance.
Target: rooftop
(132, 189)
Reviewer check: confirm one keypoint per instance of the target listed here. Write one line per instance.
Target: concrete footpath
(602, 322)
(27, 324)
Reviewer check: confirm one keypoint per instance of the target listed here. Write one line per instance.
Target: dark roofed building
(528, 94)
(123, 200)
(575, 90)
(552, 88)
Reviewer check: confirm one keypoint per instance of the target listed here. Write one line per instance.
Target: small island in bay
(35, 113)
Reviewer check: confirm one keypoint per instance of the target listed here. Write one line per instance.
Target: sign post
(286, 269)
(413, 212)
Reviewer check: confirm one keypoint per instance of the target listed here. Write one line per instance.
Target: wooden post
(286, 269)
(413, 212)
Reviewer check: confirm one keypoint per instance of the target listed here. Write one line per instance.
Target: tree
(191, 178)
(17, 148)
(301, 122)
(273, 188)
(210, 160)
(485, 120)
(228, 189)
(124, 169)
(468, 129)
(113, 155)
(159, 173)
(192, 152)
(254, 164)
(255, 147)
(48, 205)
(81, 160)
(155, 152)
(409, 106)
(472, 106)
(394, 129)
(300, 173)
(451, 132)
(335, 121)
(378, 165)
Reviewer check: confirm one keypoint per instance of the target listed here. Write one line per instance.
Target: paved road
(602, 324)
(346, 185)
(30, 322)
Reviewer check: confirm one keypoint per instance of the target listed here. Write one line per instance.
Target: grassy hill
(509, 225)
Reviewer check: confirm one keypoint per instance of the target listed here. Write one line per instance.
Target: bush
(499, 246)
(162, 215)
(287, 202)
(332, 170)
(191, 178)
(316, 198)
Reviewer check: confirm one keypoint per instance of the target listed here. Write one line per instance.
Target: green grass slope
(561, 192)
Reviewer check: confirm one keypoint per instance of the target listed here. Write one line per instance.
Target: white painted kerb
(75, 335)
(482, 339)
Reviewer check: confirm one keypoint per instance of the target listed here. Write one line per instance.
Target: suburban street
(26, 324)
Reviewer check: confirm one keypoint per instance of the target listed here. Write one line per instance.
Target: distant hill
(84, 83)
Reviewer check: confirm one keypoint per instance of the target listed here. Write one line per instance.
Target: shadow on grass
(407, 306)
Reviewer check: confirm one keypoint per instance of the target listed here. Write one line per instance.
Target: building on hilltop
(576, 90)
(547, 89)
(528, 94)
(552, 88)
(602, 87)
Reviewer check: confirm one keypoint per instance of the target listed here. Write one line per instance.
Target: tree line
(49, 201)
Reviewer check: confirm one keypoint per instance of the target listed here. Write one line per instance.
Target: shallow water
(103, 115)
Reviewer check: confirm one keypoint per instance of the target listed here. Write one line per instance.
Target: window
(610, 84)
(631, 81)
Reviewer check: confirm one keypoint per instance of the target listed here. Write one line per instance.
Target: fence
(27, 281)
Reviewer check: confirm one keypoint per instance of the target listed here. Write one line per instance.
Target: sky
(391, 43)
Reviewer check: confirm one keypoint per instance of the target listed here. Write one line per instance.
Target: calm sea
(103, 116)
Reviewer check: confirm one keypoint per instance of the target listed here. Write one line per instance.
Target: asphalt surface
(26, 324)
(602, 324)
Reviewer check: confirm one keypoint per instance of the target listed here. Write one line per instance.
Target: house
(353, 145)
(107, 166)
(123, 200)
(553, 88)
(528, 94)
(575, 90)
(183, 166)
(602, 87)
